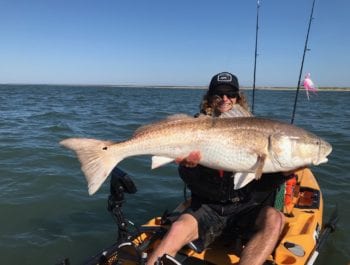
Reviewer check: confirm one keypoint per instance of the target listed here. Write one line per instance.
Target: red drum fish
(247, 146)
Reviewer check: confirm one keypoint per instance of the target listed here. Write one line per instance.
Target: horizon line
(165, 86)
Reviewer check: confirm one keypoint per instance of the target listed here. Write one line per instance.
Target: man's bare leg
(181, 232)
(270, 225)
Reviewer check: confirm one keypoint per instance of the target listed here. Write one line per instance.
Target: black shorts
(216, 219)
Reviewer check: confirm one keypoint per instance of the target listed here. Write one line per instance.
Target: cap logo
(225, 77)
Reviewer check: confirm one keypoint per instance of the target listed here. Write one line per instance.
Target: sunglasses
(229, 94)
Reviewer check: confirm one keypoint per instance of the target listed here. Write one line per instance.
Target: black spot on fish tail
(105, 148)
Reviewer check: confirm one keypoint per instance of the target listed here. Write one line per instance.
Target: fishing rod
(256, 50)
(302, 61)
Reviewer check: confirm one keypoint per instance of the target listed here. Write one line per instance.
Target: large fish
(248, 146)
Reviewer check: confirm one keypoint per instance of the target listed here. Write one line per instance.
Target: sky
(164, 42)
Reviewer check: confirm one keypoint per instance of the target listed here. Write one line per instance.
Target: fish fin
(260, 166)
(241, 179)
(158, 161)
(97, 160)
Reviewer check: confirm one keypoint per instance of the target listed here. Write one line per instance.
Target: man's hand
(192, 160)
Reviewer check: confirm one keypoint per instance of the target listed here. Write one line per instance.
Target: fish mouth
(324, 151)
(327, 148)
(324, 160)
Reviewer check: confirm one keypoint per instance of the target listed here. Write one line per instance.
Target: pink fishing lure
(309, 85)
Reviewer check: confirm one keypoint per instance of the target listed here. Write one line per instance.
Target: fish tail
(96, 157)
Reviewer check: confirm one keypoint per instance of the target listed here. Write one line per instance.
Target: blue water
(46, 213)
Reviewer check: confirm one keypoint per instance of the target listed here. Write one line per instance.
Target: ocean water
(46, 213)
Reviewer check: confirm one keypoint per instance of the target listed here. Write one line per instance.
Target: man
(215, 205)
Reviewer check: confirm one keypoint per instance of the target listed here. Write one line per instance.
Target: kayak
(300, 241)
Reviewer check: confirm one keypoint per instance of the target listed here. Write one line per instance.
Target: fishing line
(302, 61)
(256, 51)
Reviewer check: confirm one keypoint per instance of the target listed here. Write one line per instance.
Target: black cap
(223, 82)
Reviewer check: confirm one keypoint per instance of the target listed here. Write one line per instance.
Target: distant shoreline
(320, 89)
(340, 89)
